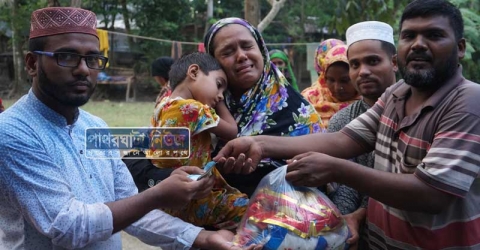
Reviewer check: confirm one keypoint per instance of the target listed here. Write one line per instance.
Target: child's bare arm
(227, 127)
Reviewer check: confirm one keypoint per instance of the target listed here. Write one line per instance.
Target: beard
(55, 91)
(429, 78)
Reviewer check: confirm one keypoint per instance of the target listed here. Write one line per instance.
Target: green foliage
(301, 21)
(470, 10)
(107, 10)
(348, 12)
(161, 18)
(22, 16)
(288, 25)
(222, 9)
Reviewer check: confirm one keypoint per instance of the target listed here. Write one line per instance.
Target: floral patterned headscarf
(1, 106)
(319, 95)
(321, 52)
(272, 106)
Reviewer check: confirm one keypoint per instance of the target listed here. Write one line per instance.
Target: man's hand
(311, 169)
(354, 220)
(239, 156)
(178, 190)
(219, 240)
(206, 183)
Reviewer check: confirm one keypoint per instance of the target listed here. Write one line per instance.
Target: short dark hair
(37, 43)
(388, 48)
(428, 8)
(178, 71)
(161, 66)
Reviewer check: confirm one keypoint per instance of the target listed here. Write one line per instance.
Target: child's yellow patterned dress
(225, 206)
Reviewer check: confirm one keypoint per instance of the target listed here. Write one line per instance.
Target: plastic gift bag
(281, 216)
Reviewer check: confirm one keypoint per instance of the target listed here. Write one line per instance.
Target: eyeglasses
(72, 60)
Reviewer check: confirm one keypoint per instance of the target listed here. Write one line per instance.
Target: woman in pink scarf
(333, 89)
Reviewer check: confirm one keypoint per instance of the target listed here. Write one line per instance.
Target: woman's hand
(311, 169)
(239, 156)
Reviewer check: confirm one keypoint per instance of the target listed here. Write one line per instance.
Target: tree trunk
(112, 25)
(209, 16)
(105, 15)
(76, 3)
(276, 6)
(302, 20)
(52, 3)
(126, 20)
(126, 17)
(20, 78)
(252, 12)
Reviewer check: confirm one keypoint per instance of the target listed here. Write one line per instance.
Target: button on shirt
(53, 197)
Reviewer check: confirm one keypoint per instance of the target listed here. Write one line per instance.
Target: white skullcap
(370, 30)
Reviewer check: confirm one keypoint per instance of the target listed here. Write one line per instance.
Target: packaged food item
(281, 216)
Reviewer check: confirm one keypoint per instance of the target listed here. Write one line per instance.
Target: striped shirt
(440, 145)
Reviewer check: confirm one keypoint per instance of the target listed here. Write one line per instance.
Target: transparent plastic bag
(281, 216)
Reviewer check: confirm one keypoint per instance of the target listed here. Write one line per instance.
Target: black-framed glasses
(72, 60)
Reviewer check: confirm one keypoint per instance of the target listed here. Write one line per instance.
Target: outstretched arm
(66, 207)
(411, 193)
(173, 192)
(334, 144)
(243, 154)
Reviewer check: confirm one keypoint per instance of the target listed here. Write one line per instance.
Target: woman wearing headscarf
(259, 97)
(333, 90)
(281, 61)
(320, 54)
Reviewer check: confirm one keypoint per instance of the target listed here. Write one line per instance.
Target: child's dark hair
(429, 8)
(178, 71)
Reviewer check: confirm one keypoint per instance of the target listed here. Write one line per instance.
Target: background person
(280, 59)
(425, 131)
(320, 53)
(160, 68)
(334, 90)
(2, 108)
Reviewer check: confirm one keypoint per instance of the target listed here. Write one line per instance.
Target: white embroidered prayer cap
(370, 30)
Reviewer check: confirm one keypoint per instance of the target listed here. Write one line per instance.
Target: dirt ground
(146, 92)
(132, 243)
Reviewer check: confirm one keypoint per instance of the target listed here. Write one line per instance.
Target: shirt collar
(47, 112)
(364, 103)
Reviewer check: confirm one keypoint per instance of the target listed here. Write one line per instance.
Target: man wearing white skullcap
(54, 196)
(372, 59)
